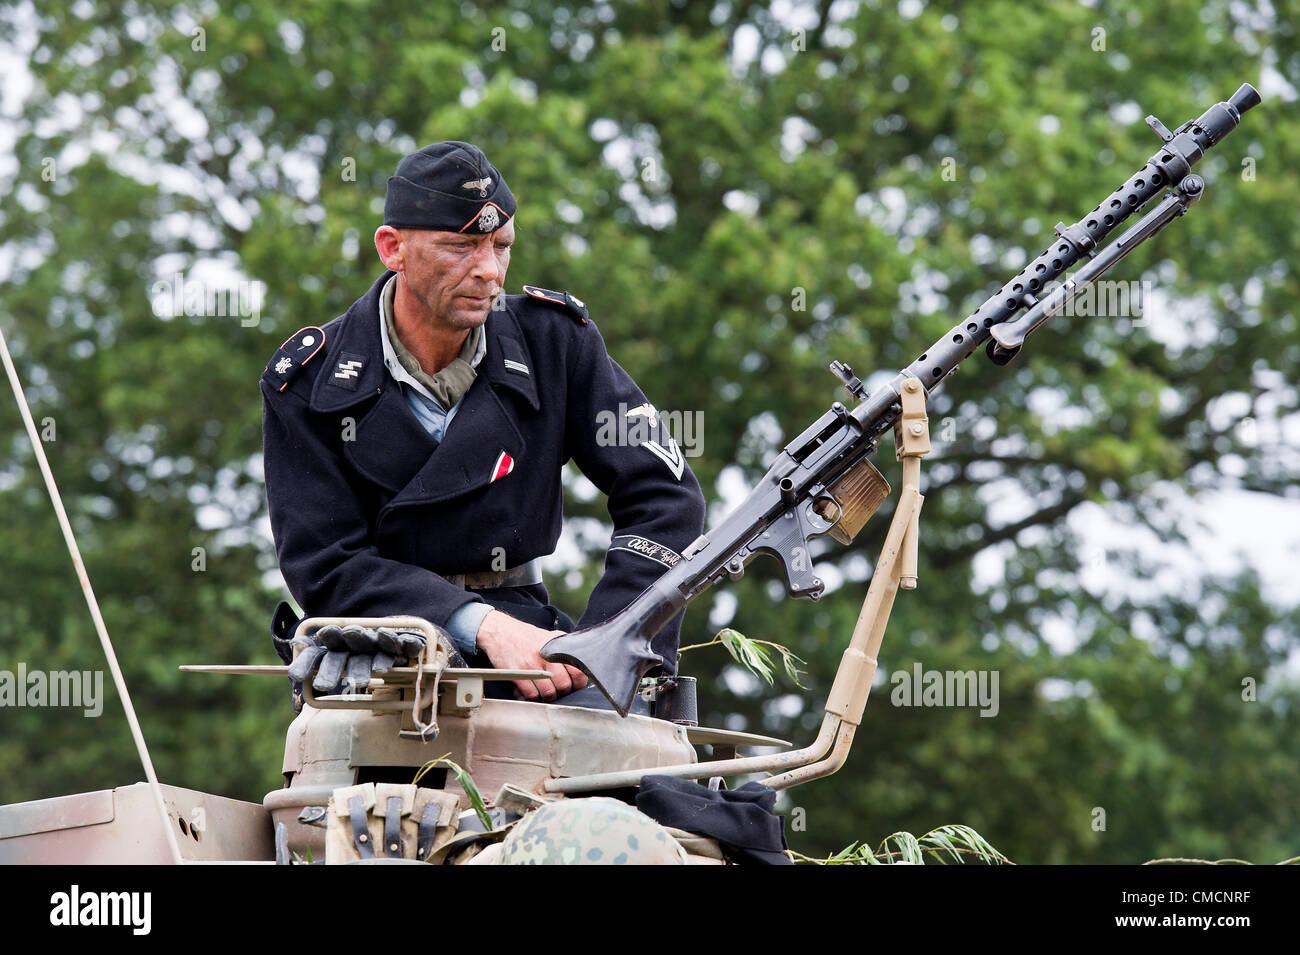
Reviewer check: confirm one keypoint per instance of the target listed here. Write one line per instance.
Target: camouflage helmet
(592, 831)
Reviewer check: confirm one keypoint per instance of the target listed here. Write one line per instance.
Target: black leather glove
(344, 658)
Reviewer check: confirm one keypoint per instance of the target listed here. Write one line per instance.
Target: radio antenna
(89, 592)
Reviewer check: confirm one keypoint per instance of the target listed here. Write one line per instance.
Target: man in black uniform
(414, 445)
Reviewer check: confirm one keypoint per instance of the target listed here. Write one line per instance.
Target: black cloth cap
(742, 820)
(448, 187)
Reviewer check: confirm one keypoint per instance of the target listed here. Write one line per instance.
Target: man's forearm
(464, 626)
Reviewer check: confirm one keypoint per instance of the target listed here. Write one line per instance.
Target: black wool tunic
(370, 513)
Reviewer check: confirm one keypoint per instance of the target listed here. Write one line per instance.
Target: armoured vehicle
(560, 773)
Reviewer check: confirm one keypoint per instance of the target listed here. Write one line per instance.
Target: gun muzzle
(1222, 118)
(1246, 98)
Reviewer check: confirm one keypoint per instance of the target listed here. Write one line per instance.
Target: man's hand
(514, 645)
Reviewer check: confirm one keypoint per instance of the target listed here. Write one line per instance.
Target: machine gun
(822, 483)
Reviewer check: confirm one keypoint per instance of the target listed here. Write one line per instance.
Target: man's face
(455, 276)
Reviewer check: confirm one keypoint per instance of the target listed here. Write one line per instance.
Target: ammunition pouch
(389, 820)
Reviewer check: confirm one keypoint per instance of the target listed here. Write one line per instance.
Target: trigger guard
(790, 533)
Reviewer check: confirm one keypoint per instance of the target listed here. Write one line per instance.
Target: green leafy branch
(466, 783)
(945, 843)
(1294, 860)
(754, 656)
